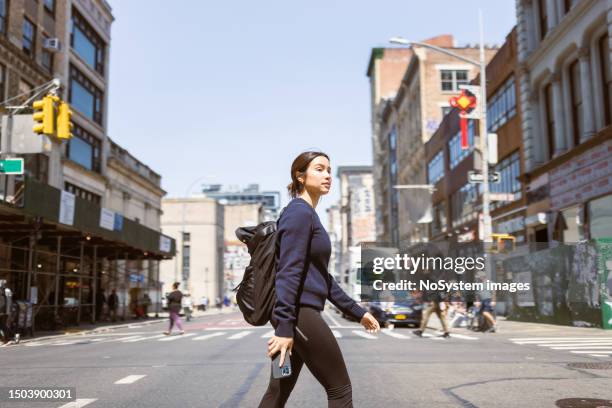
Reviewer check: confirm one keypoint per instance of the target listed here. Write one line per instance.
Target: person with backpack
(174, 307)
(302, 284)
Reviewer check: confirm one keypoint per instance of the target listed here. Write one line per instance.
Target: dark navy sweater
(305, 248)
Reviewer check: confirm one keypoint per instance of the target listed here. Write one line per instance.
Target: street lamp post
(482, 65)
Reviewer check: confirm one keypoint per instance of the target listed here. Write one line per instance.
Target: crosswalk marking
(176, 337)
(394, 334)
(130, 379)
(144, 338)
(79, 403)
(364, 335)
(337, 334)
(239, 335)
(593, 346)
(432, 336)
(463, 336)
(268, 334)
(125, 338)
(208, 336)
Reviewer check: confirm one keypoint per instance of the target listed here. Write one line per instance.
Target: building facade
(249, 195)
(63, 243)
(197, 225)
(566, 107)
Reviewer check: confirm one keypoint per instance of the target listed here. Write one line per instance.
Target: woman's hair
(175, 285)
(298, 169)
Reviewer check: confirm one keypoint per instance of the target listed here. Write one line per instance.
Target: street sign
(501, 197)
(11, 166)
(475, 177)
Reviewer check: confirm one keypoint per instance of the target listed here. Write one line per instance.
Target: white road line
(591, 351)
(599, 355)
(239, 335)
(238, 328)
(176, 337)
(144, 338)
(563, 341)
(590, 343)
(394, 334)
(268, 334)
(64, 343)
(125, 338)
(559, 338)
(583, 348)
(134, 327)
(463, 336)
(337, 334)
(209, 336)
(431, 336)
(364, 335)
(333, 319)
(130, 379)
(79, 403)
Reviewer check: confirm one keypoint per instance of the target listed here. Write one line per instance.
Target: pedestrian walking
(187, 305)
(146, 302)
(302, 285)
(174, 306)
(487, 305)
(100, 302)
(5, 312)
(113, 303)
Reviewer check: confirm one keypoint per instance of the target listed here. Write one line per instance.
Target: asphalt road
(222, 362)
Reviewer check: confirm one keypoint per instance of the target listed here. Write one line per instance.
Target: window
(463, 203)
(46, 57)
(24, 90)
(49, 5)
(186, 237)
(571, 228)
(451, 79)
(2, 81)
(543, 18)
(550, 119)
(37, 166)
(393, 170)
(604, 58)
(81, 192)
(509, 170)
(84, 149)
(85, 96)
(3, 15)
(28, 37)
(446, 110)
(435, 168)
(600, 217)
(87, 43)
(502, 105)
(576, 96)
(567, 5)
(438, 224)
(457, 154)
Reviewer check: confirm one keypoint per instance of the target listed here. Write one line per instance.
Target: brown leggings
(314, 345)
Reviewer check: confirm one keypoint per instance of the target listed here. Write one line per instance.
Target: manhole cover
(583, 403)
(592, 366)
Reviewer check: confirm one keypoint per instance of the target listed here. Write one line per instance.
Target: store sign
(67, 203)
(165, 244)
(107, 219)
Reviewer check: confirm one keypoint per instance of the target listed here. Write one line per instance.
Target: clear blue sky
(232, 91)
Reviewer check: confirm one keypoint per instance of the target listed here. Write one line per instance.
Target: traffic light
(64, 122)
(44, 115)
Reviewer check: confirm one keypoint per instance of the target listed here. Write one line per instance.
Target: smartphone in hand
(285, 370)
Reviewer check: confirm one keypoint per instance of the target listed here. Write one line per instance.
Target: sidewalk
(101, 327)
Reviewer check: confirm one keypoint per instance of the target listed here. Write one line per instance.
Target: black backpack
(256, 294)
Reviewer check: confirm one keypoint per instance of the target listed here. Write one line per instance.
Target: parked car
(405, 312)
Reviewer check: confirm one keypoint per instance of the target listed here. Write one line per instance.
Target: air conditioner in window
(51, 44)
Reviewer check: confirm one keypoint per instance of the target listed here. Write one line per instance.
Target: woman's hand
(370, 323)
(282, 344)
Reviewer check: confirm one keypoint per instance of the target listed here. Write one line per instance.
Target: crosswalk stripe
(130, 379)
(364, 335)
(239, 335)
(591, 351)
(599, 355)
(144, 338)
(561, 343)
(268, 334)
(209, 336)
(559, 338)
(606, 343)
(79, 403)
(337, 334)
(433, 337)
(463, 336)
(176, 337)
(124, 338)
(609, 347)
(394, 334)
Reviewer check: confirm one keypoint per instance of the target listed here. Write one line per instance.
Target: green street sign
(11, 166)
